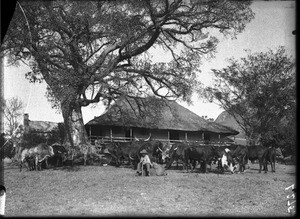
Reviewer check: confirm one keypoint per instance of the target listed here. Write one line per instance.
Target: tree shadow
(215, 171)
(179, 167)
(73, 168)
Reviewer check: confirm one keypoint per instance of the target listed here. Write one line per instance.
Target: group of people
(145, 163)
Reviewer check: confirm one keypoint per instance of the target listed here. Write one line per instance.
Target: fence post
(110, 134)
(2, 200)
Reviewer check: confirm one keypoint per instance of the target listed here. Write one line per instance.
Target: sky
(272, 27)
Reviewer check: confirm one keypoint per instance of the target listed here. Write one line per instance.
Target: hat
(143, 151)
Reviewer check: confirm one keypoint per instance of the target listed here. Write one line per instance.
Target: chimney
(26, 122)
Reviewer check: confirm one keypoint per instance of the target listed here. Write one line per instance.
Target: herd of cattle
(43, 153)
(230, 157)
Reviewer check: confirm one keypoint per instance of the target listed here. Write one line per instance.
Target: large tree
(259, 91)
(91, 51)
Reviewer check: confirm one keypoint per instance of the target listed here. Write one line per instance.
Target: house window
(174, 135)
(206, 137)
(143, 131)
(95, 130)
(117, 130)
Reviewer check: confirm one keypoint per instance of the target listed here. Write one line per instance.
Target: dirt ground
(112, 191)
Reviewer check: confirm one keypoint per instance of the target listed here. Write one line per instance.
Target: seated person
(144, 162)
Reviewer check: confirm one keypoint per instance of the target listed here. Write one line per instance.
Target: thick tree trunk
(75, 128)
(76, 133)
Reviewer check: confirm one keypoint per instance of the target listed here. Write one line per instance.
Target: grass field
(111, 191)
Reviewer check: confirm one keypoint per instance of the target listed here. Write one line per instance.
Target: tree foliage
(283, 133)
(33, 138)
(91, 51)
(12, 110)
(259, 91)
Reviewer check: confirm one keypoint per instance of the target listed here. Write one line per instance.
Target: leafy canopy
(91, 51)
(258, 91)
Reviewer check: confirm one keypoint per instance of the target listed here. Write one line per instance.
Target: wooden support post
(111, 134)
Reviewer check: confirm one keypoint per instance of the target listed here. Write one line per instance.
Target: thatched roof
(156, 113)
(42, 126)
(226, 119)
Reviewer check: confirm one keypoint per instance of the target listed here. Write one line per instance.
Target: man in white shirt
(144, 161)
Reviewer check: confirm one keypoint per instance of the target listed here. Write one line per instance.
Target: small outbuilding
(226, 119)
(40, 127)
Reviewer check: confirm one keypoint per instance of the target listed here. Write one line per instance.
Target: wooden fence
(106, 139)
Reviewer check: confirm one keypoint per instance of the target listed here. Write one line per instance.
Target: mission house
(163, 120)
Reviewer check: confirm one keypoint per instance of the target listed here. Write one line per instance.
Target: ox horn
(130, 157)
(160, 149)
(43, 158)
(135, 138)
(51, 151)
(148, 137)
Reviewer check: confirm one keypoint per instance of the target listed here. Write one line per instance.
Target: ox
(31, 163)
(153, 147)
(241, 155)
(223, 148)
(40, 153)
(256, 153)
(225, 160)
(129, 152)
(176, 153)
(269, 156)
(202, 154)
(60, 155)
(122, 152)
(252, 153)
(166, 151)
(114, 149)
(225, 154)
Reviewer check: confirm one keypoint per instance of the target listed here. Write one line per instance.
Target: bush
(33, 138)
(7, 148)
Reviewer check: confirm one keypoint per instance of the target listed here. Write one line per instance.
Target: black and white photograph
(148, 108)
